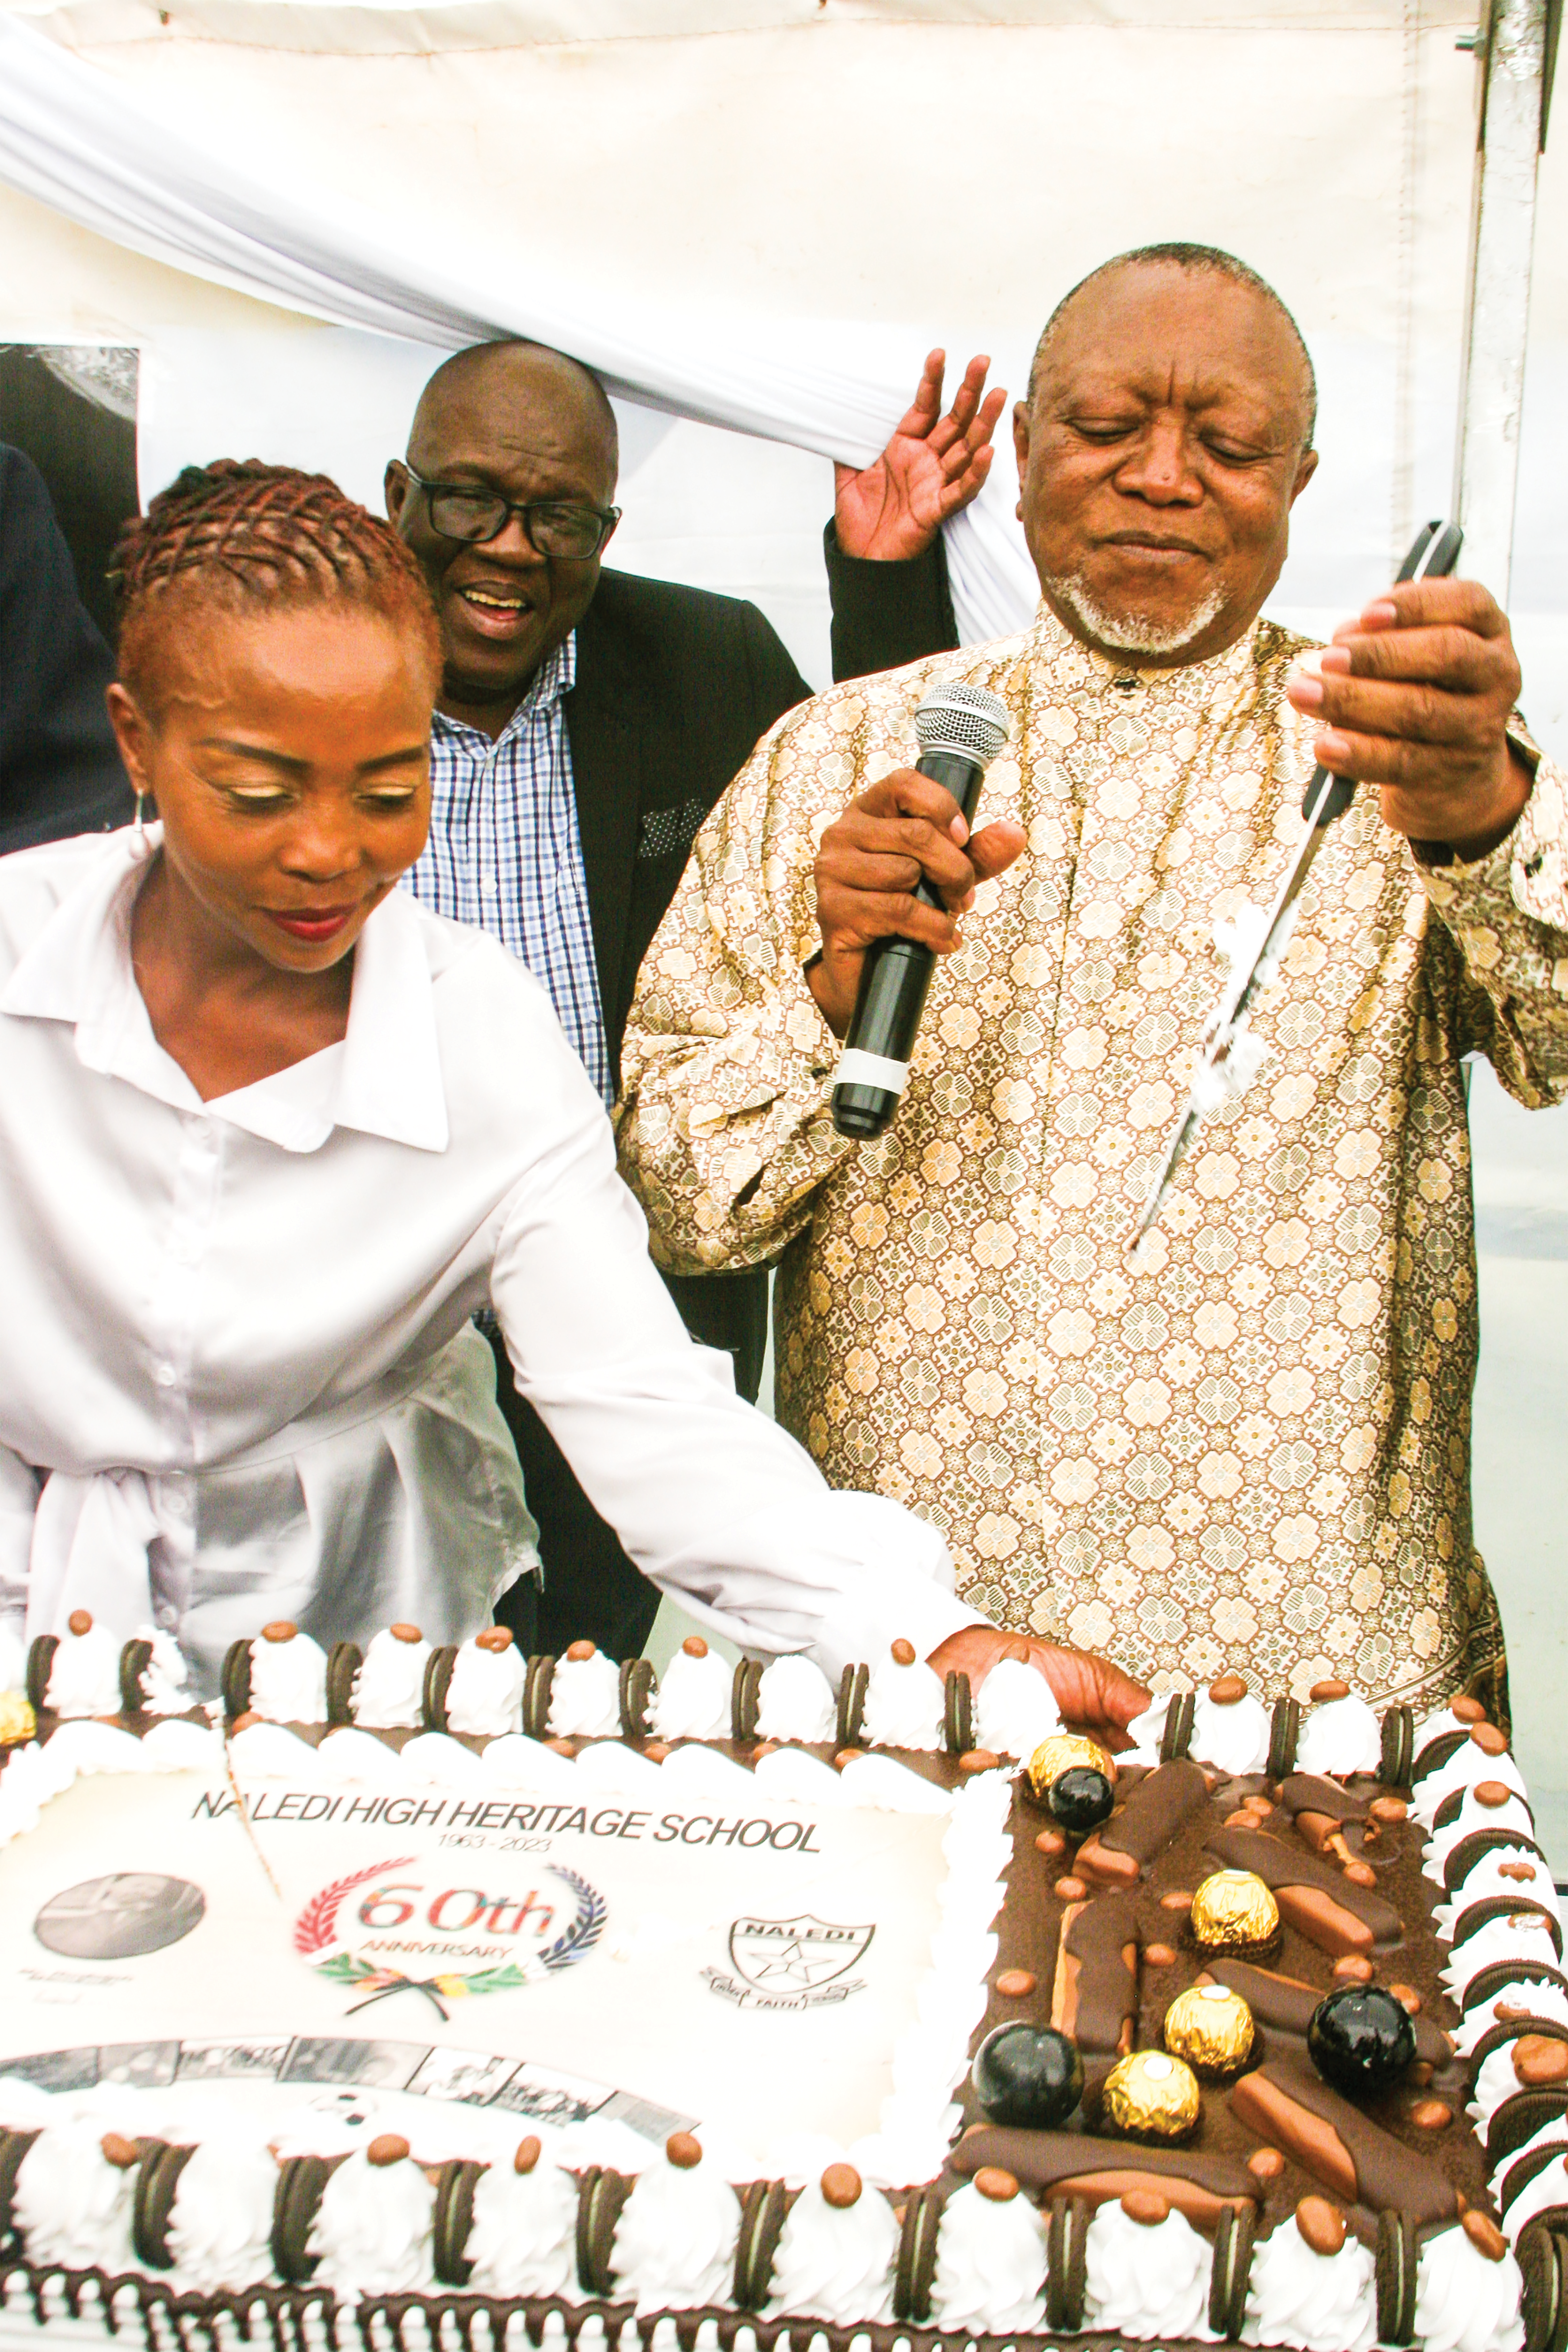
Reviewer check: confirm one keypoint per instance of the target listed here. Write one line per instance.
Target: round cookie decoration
(1235, 1913)
(1361, 2038)
(1151, 2096)
(1028, 2075)
(1211, 2028)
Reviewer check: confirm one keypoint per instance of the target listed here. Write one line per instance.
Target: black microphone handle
(894, 981)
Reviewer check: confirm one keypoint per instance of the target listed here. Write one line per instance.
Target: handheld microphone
(961, 730)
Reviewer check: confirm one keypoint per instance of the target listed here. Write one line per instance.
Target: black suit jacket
(674, 686)
(59, 766)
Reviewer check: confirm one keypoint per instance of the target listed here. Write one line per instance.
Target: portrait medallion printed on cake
(406, 1925)
(120, 1917)
(798, 1963)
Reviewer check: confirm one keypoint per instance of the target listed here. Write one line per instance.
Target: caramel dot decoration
(1071, 1889)
(1146, 2207)
(1324, 1693)
(1409, 1999)
(1539, 2061)
(527, 2155)
(841, 2186)
(387, 2148)
(1353, 1970)
(1388, 1808)
(1265, 2164)
(1493, 1794)
(1467, 1710)
(1227, 1690)
(1016, 1984)
(282, 1629)
(684, 2150)
(496, 1639)
(1051, 1842)
(902, 1652)
(403, 1632)
(993, 2182)
(79, 1621)
(978, 1759)
(1360, 1874)
(1431, 2115)
(1179, 1899)
(1322, 2225)
(120, 2152)
(246, 1721)
(1484, 2235)
(1158, 1956)
(694, 1646)
(579, 1651)
(1488, 1739)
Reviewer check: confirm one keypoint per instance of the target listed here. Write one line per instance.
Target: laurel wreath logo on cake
(399, 1926)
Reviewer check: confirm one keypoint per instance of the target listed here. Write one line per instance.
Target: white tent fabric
(68, 139)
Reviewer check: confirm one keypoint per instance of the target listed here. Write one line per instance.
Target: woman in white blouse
(270, 1134)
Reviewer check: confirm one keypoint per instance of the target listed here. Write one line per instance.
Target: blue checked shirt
(505, 853)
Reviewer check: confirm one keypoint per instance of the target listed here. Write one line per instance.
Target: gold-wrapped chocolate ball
(1059, 1754)
(1151, 2096)
(17, 1721)
(1234, 1912)
(1211, 2027)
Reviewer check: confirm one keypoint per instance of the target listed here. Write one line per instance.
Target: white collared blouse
(239, 1379)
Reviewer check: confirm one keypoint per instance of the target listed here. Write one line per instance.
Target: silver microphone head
(969, 721)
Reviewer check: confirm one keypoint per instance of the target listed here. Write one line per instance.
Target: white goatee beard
(1133, 633)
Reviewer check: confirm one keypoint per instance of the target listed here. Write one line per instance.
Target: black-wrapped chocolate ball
(1080, 1799)
(1027, 2074)
(1361, 2038)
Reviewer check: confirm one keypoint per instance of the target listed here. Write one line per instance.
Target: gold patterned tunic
(1249, 1447)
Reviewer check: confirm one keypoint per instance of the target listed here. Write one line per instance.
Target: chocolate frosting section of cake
(1304, 1792)
(1349, 2155)
(1145, 1824)
(1076, 2164)
(1288, 1869)
(1284, 2005)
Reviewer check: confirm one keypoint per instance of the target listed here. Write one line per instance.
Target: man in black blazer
(588, 721)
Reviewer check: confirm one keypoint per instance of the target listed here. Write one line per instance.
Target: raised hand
(1088, 1690)
(1415, 697)
(868, 864)
(931, 468)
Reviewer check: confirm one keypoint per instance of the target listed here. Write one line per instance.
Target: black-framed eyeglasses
(555, 527)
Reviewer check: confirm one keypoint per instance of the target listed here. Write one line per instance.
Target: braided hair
(244, 537)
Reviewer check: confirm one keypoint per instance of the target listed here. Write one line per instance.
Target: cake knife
(1433, 557)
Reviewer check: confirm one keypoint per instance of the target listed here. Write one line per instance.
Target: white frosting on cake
(84, 1677)
(836, 2262)
(1547, 2002)
(1143, 2281)
(1341, 1737)
(513, 1761)
(220, 2229)
(1516, 1936)
(485, 1697)
(990, 2264)
(585, 1698)
(371, 2233)
(1146, 1730)
(1232, 1739)
(288, 1680)
(389, 1689)
(1495, 2081)
(523, 2240)
(174, 1746)
(1463, 2302)
(905, 1706)
(263, 1751)
(1015, 1709)
(1486, 1877)
(795, 1700)
(1548, 2187)
(357, 1760)
(71, 2205)
(1472, 1816)
(1467, 1766)
(435, 1760)
(693, 1702)
(1432, 1727)
(676, 2240)
(1319, 2303)
(87, 1745)
(165, 1679)
(787, 1773)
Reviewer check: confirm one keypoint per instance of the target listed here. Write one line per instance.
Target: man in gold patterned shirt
(1249, 1445)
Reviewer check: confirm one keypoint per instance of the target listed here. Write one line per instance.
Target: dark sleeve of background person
(675, 687)
(60, 770)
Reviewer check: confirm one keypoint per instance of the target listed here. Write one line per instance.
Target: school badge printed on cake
(401, 1926)
(790, 1963)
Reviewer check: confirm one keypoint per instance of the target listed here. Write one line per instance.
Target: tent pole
(1516, 50)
